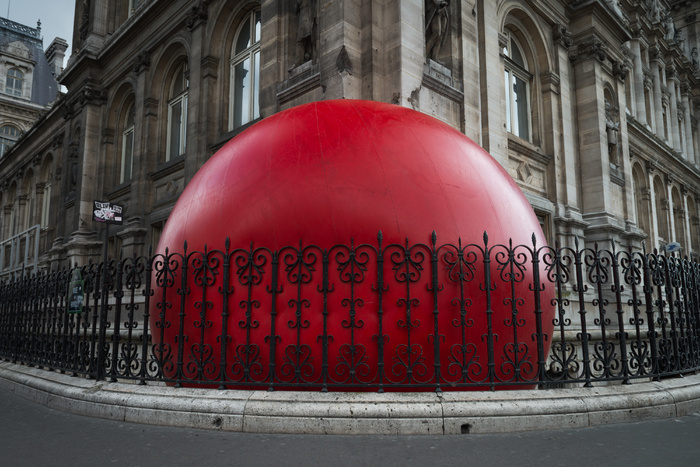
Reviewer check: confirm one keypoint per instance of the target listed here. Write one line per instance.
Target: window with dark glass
(127, 160)
(177, 114)
(245, 72)
(8, 137)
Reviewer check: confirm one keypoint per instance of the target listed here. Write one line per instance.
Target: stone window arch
(244, 96)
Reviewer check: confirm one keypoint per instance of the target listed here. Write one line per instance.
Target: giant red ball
(306, 291)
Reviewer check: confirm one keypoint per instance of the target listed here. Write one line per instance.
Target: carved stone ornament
(592, 47)
(141, 62)
(91, 94)
(68, 111)
(620, 70)
(57, 141)
(198, 14)
(562, 36)
(651, 166)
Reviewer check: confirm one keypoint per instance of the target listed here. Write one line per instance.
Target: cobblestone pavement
(31, 434)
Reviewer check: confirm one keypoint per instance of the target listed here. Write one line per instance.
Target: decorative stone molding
(620, 70)
(648, 81)
(91, 95)
(198, 14)
(681, 112)
(550, 82)
(562, 36)
(651, 166)
(671, 72)
(685, 87)
(210, 66)
(150, 106)
(141, 62)
(655, 54)
(502, 41)
(108, 136)
(57, 141)
(591, 47)
(68, 111)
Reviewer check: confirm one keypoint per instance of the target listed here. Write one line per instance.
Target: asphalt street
(32, 434)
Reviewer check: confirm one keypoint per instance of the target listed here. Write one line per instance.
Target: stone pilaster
(658, 105)
(640, 108)
(674, 134)
(688, 131)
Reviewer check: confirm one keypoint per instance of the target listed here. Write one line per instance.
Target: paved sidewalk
(32, 434)
(336, 413)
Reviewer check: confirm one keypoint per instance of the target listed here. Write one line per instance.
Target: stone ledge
(355, 413)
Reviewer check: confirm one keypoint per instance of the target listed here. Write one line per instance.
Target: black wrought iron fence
(363, 317)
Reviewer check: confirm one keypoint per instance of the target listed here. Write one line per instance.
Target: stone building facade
(593, 106)
(28, 89)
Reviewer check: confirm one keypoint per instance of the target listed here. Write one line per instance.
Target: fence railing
(363, 317)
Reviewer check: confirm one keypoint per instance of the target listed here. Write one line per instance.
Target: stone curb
(355, 413)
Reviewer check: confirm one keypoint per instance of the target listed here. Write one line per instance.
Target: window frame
(253, 22)
(17, 91)
(5, 139)
(173, 101)
(127, 149)
(513, 70)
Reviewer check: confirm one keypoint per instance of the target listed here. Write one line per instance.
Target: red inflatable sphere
(307, 293)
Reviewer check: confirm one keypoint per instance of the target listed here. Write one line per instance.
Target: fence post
(102, 336)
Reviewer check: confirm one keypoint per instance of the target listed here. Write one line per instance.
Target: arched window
(245, 72)
(127, 161)
(177, 114)
(8, 137)
(641, 199)
(13, 82)
(517, 80)
(662, 217)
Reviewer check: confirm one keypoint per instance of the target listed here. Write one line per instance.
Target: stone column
(658, 105)
(640, 111)
(674, 136)
(587, 58)
(566, 167)
(689, 149)
(494, 137)
(196, 135)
